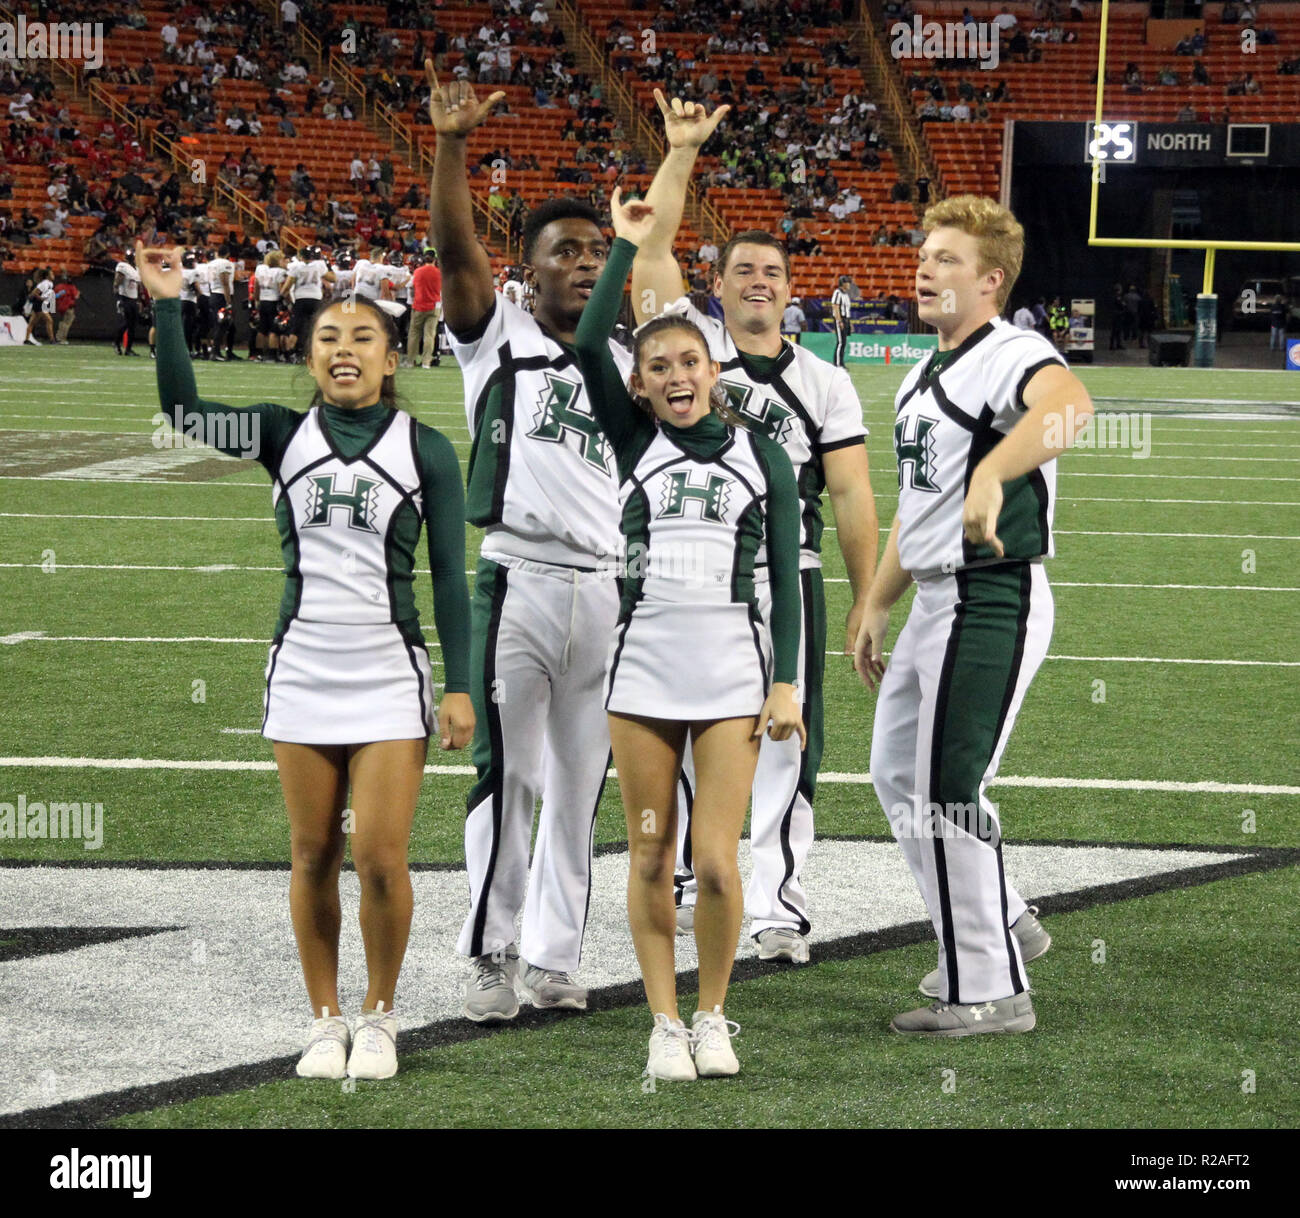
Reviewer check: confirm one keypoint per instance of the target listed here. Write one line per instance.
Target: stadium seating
(1062, 85)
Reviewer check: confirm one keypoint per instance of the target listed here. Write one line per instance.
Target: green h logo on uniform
(915, 454)
(360, 502)
(559, 417)
(712, 496)
(770, 417)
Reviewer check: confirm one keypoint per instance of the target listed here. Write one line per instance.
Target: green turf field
(1171, 674)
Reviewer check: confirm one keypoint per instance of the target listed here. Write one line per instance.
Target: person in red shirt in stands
(426, 312)
(66, 295)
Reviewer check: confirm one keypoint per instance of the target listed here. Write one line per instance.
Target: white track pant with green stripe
(949, 699)
(537, 669)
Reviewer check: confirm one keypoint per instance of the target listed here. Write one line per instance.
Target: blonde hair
(274, 258)
(1000, 236)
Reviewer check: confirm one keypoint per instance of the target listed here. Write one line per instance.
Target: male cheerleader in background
(812, 410)
(979, 425)
(542, 482)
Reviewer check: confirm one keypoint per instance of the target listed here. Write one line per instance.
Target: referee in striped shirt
(842, 311)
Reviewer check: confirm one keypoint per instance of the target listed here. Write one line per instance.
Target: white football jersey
(343, 281)
(202, 280)
(130, 280)
(946, 422)
(542, 477)
(513, 291)
(806, 405)
(46, 289)
(218, 271)
(308, 278)
(400, 278)
(188, 276)
(368, 278)
(269, 281)
(342, 515)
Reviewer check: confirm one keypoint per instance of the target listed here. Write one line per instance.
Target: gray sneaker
(782, 943)
(551, 989)
(685, 919)
(1014, 1014)
(490, 991)
(1034, 941)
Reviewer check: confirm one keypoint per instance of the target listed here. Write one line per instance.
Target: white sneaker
(670, 1050)
(685, 919)
(374, 1045)
(326, 1054)
(782, 943)
(35, 342)
(711, 1032)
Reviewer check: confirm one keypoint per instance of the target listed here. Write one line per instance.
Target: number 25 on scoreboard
(1111, 141)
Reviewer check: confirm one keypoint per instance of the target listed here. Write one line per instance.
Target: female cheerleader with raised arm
(702, 499)
(349, 692)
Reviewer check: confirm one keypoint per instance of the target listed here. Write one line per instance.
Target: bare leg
(315, 784)
(648, 755)
(725, 758)
(386, 777)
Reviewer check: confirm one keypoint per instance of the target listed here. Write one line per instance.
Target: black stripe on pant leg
(788, 855)
(494, 776)
(1019, 982)
(591, 838)
(935, 788)
(681, 879)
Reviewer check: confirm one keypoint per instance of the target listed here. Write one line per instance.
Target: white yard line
(1011, 780)
(132, 516)
(39, 636)
(221, 568)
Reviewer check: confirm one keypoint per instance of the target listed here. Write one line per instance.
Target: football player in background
(270, 277)
(221, 274)
(306, 279)
(126, 294)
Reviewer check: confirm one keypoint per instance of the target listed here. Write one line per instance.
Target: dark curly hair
(565, 207)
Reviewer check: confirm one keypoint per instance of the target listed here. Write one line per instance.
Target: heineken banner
(873, 348)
